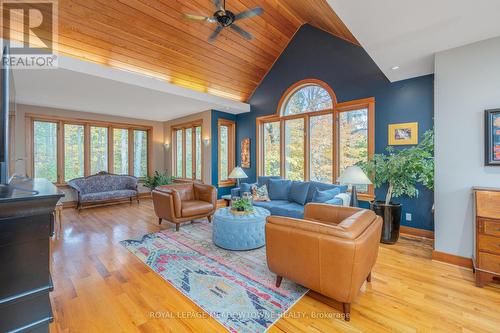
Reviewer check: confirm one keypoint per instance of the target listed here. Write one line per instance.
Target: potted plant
(243, 205)
(157, 179)
(400, 171)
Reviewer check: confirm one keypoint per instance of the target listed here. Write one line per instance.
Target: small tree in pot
(400, 170)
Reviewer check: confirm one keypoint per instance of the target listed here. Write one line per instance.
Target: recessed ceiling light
(395, 68)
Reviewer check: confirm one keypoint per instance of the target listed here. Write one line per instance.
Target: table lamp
(353, 176)
(237, 174)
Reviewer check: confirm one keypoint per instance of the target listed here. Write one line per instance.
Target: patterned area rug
(234, 287)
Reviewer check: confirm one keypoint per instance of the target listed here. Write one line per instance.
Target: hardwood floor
(101, 287)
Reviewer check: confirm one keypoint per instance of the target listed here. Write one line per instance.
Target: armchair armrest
(328, 213)
(172, 198)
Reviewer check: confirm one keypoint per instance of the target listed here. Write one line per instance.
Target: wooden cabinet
(26, 223)
(487, 235)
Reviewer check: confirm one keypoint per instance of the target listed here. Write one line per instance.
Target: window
(120, 151)
(73, 151)
(308, 98)
(226, 130)
(140, 153)
(271, 149)
(64, 149)
(187, 155)
(45, 150)
(312, 137)
(98, 149)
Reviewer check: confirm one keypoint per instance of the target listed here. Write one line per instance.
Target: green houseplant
(242, 205)
(400, 171)
(158, 179)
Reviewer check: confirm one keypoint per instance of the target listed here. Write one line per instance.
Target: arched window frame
(335, 111)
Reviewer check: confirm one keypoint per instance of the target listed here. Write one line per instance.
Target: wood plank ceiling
(152, 37)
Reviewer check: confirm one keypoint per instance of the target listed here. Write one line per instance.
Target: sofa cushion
(323, 196)
(103, 183)
(260, 193)
(279, 189)
(195, 207)
(335, 201)
(298, 192)
(245, 187)
(322, 186)
(109, 195)
(264, 180)
(282, 208)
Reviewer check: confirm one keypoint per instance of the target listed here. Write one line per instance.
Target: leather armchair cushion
(195, 207)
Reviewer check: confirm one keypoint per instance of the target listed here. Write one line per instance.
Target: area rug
(234, 287)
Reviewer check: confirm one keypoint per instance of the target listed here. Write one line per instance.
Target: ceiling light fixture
(395, 68)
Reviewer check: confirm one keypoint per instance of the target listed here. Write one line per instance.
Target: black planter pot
(391, 214)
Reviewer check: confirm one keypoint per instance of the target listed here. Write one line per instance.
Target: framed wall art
(492, 137)
(403, 134)
(245, 153)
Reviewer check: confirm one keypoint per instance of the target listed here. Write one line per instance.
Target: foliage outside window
(187, 154)
(65, 149)
(226, 149)
(312, 137)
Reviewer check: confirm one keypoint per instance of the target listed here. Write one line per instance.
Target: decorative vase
(391, 215)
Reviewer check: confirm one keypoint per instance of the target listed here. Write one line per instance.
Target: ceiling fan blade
(218, 5)
(196, 17)
(214, 34)
(242, 32)
(249, 13)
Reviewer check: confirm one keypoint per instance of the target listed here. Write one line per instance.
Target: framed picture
(492, 137)
(245, 153)
(403, 134)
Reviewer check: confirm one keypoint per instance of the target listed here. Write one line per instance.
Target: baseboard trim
(417, 232)
(452, 259)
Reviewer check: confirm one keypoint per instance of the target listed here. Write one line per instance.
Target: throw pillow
(260, 193)
(335, 201)
(323, 196)
(298, 192)
(245, 187)
(279, 189)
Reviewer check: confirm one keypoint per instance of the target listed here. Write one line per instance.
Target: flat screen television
(7, 106)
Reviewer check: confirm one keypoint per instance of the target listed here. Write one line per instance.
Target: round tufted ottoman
(239, 232)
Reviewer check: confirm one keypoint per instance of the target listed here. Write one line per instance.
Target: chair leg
(369, 277)
(159, 220)
(209, 217)
(177, 226)
(138, 199)
(130, 201)
(278, 281)
(347, 311)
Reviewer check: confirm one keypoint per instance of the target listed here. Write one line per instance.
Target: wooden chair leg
(130, 201)
(159, 220)
(347, 311)
(278, 281)
(177, 226)
(138, 199)
(209, 217)
(369, 277)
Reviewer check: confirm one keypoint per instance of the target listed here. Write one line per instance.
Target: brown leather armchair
(182, 202)
(332, 251)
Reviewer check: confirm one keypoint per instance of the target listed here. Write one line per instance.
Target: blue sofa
(290, 200)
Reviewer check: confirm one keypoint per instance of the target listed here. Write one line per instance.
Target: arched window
(308, 97)
(312, 137)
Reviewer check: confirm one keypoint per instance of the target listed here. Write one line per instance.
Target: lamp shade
(237, 173)
(353, 175)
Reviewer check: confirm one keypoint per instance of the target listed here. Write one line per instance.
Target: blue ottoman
(240, 232)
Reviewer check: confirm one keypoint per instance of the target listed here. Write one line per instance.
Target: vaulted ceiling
(153, 37)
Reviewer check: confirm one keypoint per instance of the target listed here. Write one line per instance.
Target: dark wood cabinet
(487, 235)
(26, 224)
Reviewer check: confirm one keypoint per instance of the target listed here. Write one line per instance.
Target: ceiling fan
(225, 19)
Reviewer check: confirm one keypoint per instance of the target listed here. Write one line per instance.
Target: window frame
(338, 108)
(231, 151)
(173, 130)
(61, 121)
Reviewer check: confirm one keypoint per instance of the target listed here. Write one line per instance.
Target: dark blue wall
(352, 74)
(215, 151)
